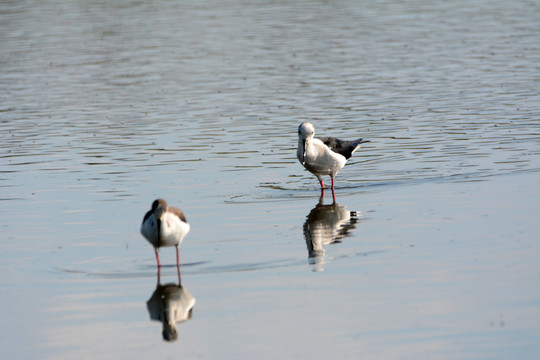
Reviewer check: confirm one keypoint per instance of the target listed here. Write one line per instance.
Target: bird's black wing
(343, 147)
(147, 215)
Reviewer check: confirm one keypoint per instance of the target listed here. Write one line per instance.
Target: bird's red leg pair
(177, 261)
(322, 184)
(322, 189)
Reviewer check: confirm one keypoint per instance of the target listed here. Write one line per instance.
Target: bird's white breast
(321, 160)
(173, 230)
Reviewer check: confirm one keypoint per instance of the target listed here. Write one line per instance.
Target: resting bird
(164, 226)
(323, 155)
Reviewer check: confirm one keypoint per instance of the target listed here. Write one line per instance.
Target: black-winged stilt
(164, 226)
(323, 155)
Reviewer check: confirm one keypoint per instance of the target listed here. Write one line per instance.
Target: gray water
(105, 106)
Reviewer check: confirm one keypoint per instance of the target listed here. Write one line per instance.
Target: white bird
(323, 155)
(164, 226)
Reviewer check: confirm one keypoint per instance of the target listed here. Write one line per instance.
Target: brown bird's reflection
(326, 224)
(171, 304)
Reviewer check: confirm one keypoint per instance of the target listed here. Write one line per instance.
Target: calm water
(105, 106)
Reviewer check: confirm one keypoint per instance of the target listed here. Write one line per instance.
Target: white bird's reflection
(326, 224)
(171, 304)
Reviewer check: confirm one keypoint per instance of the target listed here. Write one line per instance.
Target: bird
(323, 155)
(164, 226)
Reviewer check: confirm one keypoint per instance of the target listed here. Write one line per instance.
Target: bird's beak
(159, 213)
(303, 152)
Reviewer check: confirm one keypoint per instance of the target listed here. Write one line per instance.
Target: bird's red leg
(178, 263)
(322, 184)
(333, 194)
(157, 258)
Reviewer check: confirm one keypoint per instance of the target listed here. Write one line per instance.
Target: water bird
(323, 155)
(164, 226)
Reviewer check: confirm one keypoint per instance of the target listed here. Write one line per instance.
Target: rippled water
(105, 106)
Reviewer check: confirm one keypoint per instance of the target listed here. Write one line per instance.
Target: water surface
(106, 106)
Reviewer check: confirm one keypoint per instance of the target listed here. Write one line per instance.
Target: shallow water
(106, 106)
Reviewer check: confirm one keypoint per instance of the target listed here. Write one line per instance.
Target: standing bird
(324, 155)
(164, 226)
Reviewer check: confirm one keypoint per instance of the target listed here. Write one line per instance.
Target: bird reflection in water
(326, 224)
(171, 304)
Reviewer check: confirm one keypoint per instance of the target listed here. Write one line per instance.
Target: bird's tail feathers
(356, 143)
(360, 141)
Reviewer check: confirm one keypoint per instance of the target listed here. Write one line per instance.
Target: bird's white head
(306, 130)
